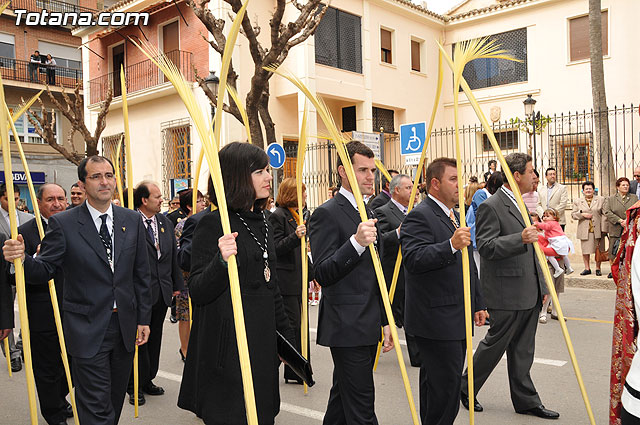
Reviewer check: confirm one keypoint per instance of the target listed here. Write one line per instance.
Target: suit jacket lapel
(119, 233)
(396, 211)
(512, 208)
(4, 227)
(87, 230)
(440, 213)
(348, 208)
(161, 231)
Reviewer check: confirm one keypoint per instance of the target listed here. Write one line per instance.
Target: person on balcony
(51, 70)
(34, 66)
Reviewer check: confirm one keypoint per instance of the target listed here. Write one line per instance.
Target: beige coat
(615, 209)
(559, 201)
(580, 207)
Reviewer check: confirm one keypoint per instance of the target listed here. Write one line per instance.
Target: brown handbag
(601, 256)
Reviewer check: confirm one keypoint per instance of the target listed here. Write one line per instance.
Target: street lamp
(212, 82)
(529, 104)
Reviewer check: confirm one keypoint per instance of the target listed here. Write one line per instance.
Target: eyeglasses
(174, 203)
(636, 175)
(96, 177)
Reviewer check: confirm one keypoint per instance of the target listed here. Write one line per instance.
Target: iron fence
(139, 76)
(567, 142)
(25, 71)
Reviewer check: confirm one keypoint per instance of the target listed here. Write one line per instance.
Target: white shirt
(401, 207)
(352, 200)
(97, 221)
(448, 211)
(630, 403)
(510, 194)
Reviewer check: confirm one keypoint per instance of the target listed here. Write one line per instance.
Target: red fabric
(544, 245)
(551, 228)
(625, 322)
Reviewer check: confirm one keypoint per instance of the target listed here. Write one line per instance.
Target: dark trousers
(293, 308)
(513, 332)
(48, 370)
(412, 348)
(440, 379)
(101, 381)
(51, 76)
(149, 353)
(627, 418)
(352, 395)
(15, 350)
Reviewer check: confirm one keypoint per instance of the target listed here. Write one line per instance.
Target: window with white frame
(386, 45)
(27, 131)
(417, 57)
(7, 50)
(579, 37)
(65, 56)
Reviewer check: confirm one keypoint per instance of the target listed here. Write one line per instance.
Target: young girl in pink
(554, 242)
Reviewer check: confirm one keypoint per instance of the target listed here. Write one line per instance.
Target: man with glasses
(634, 186)
(174, 204)
(106, 295)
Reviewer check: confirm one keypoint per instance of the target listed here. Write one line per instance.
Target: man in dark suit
(176, 215)
(48, 368)
(384, 196)
(166, 281)
(351, 311)
(106, 296)
(5, 229)
(634, 186)
(431, 246)
(514, 290)
(390, 216)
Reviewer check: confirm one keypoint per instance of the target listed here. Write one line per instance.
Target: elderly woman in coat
(591, 225)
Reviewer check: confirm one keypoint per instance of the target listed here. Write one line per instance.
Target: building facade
(23, 78)
(375, 64)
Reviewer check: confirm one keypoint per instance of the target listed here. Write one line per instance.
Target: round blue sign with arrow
(276, 155)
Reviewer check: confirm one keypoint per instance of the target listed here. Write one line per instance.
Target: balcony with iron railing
(27, 72)
(139, 76)
(49, 5)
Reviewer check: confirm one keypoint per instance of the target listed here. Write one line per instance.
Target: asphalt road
(552, 373)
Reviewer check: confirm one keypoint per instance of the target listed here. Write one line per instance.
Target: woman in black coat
(212, 382)
(287, 234)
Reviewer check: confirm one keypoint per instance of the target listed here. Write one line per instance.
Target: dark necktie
(106, 237)
(44, 226)
(150, 231)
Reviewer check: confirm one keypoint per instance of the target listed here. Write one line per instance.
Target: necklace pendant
(267, 273)
(265, 255)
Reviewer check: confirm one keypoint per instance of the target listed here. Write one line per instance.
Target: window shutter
(415, 55)
(385, 39)
(579, 37)
(349, 42)
(326, 39)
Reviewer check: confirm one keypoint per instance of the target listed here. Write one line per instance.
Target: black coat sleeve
(52, 253)
(332, 260)
(420, 251)
(186, 239)
(285, 243)
(141, 277)
(209, 277)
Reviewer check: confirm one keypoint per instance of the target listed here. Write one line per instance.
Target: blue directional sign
(412, 137)
(276, 155)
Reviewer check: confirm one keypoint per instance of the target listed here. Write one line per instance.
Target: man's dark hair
(386, 182)
(335, 190)
(42, 188)
(186, 199)
(355, 147)
(516, 161)
(435, 170)
(82, 167)
(141, 191)
(3, 189)
(494, 182)
(492, 161)
(37, 51)
(75, 185)
(237, 162)
(589, 183)
(547, 171)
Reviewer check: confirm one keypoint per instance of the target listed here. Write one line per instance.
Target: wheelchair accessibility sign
(412, 137)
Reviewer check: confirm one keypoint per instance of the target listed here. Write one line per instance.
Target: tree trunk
(602, 142)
